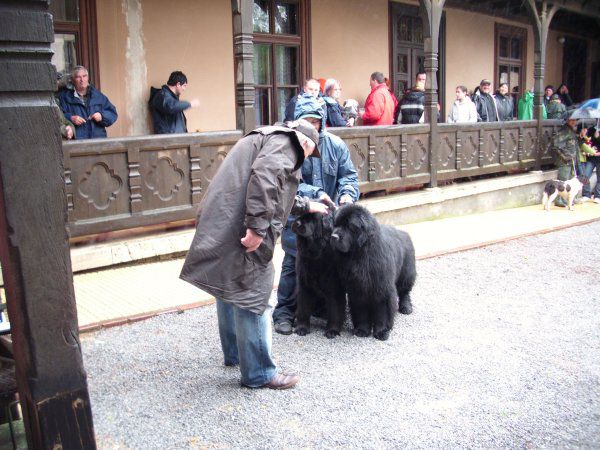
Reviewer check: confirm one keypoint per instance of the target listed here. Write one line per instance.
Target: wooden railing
(115, 184)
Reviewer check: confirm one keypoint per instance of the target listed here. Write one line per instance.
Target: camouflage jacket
(564, 145)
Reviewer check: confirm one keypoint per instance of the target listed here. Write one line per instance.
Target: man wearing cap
(485, 103)
(332, 178)
(564, 147)
(239, 219)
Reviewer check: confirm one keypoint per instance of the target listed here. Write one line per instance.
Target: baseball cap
(308, 130)
(485, 81)
(314, 115)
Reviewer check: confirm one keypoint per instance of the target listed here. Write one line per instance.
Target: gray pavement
(502, 351)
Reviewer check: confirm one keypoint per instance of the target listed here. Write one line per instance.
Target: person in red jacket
(380, 104)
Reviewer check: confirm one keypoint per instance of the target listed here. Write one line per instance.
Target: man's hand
(345, 199)
(195, 103)
(251, 241)
(78, 120)
(326, 200)
(69, 131)
(96, 117)
(318, 207)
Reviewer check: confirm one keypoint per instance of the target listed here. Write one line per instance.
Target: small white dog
(567, 190)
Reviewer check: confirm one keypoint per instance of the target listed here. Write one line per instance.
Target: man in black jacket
(485, 103)
(167, 110)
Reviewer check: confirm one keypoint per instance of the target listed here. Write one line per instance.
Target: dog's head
(354, 226)
(313, 226)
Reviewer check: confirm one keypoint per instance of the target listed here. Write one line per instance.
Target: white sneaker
(597, 200)
(585, 199)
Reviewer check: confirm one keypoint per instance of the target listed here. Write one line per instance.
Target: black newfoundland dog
(377, 265)
(318, 282)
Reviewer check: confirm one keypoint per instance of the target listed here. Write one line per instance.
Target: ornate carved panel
(469, 149)
(165, 178)
(547, 134)
(99, 186)
(529, 143)
(511, 144)
(206, 164)
(417, 158)
(491, 147)
(447, 151)
(387, 157)
(359, 151)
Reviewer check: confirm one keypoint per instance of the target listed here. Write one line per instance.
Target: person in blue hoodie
(330, 178)
(86, 107)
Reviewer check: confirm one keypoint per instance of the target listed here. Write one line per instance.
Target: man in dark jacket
(311, 87)
(504, 103)
(485, 104)
(330, 178)
(564, 147)
(86, 107)
(412, 105)
(166, 108)
(239, 220)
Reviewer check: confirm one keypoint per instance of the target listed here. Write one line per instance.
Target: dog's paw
(330, 334)
(405, 308)
(382, 335)
(302, 331)
(359, 332)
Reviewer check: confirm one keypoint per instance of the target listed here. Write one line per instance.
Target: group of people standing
(87, 112)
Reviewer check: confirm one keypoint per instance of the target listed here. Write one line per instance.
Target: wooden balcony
(121, 183)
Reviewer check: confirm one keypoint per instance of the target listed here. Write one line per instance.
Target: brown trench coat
(254, 188)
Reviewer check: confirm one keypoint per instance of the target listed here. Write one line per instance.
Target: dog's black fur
(377, 266)
(318, 281)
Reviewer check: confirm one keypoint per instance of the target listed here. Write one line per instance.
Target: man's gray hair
(378, 76)
(76, 69)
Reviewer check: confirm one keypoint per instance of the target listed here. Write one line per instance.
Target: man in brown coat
(239, 220)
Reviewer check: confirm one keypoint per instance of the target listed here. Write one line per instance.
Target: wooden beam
(34, 249)
(243, 51)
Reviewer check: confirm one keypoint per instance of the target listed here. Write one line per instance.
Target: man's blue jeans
(586, 169)
(246, 340)
(285, 311)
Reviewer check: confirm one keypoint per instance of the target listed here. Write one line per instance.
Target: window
(279, 60)
(75, 36)
(510, 59)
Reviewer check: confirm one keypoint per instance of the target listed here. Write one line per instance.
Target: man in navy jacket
(86, 107)
(166, 108)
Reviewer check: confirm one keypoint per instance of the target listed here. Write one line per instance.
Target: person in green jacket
(525, 107)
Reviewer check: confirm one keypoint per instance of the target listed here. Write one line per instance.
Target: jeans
(285, 311)
(586, 169)
(594, 161)
(246, 340)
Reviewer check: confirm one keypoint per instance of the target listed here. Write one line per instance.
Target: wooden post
(34, 247)
(541, 23)
(243, 51)
(431, 12)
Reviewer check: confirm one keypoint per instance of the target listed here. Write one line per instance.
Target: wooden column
(541, 23)
(34, 248)
(431, 12)
(243, 52)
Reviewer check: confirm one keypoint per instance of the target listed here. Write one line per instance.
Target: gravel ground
(502, 350)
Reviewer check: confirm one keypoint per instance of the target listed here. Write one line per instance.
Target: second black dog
(318, 281)
(377, 266)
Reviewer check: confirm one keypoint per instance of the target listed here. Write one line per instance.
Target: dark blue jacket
(96, 102)
(334, 113)
(333, 173)
(167, 111)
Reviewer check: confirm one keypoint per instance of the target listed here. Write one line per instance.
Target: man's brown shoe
(283, 380)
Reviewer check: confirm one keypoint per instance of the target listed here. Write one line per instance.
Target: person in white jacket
(463, 109)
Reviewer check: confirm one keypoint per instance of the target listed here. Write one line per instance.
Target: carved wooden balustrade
(115, 184)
